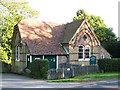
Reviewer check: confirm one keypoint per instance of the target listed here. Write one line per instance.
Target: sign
(92, 60)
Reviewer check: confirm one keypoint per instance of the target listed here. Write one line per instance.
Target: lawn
(89, 77)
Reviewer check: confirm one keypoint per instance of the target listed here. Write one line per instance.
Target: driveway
(18, 81)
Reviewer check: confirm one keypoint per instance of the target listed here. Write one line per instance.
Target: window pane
(81, 49)
(87, 52)
(84, 37)
(80, 55)
(86, 55)
(17, 52)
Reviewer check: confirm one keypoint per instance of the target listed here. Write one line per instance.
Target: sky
(63, 11)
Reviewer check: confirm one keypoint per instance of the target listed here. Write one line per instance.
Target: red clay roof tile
(42, 38)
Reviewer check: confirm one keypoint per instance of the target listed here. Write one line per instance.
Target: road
(18, 81)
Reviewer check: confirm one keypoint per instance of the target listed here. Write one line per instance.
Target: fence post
(73, 73)
(63, 74)
(87, 69)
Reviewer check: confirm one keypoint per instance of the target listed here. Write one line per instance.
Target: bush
(109, 65)
(39, 69)
(5, 68)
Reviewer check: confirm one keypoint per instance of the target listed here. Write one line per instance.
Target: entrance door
(28, 60)
(52, 61)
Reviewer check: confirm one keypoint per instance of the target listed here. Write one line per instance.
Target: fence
(71, 72)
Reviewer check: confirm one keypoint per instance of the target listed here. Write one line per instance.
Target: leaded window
(81, 49)
(84, 52)
(87, 52)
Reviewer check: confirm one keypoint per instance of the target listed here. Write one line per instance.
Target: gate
(52, 61)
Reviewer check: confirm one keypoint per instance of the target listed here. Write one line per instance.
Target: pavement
(19, 81)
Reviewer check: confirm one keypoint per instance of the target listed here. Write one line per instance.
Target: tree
(104, 34)
(11, 12)
(95, 21)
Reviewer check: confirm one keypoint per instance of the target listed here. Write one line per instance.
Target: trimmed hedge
(39, 69)
(109, 65)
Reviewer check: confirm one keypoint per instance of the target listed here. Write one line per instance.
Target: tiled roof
(42, 38)
(70, 29)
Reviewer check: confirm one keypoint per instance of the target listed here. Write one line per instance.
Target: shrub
(109, 65)
(5, 68)
(39, 69)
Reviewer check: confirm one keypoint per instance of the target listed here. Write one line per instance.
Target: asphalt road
(18, 81)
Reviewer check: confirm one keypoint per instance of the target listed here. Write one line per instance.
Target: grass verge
(89, 77)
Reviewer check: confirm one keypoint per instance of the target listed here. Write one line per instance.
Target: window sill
(17, 60)
(84, 59)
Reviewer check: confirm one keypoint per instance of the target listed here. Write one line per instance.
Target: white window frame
(84, 48)
(57, 62)
(81, 59)
(29, 59)
(26, 58)
(86, 59)
(17, 53)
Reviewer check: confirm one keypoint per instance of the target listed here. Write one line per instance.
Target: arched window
(87, 52)
(17, 53)
(84, 52)
(81, 52)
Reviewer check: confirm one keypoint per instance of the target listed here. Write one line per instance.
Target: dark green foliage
(6, 68)
(39, 69)
(113, 47)
(109, 65)
(105, 35)
(94, 21)
(11, 12)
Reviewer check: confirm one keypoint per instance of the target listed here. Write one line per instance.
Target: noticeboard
(92, 59)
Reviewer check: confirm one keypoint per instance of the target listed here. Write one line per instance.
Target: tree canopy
(95, 21)
(11, 12)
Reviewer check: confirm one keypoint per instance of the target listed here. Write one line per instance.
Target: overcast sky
(63, 11)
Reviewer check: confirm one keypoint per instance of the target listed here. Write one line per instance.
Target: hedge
(109, 65)
(4, 67)
(39, 69)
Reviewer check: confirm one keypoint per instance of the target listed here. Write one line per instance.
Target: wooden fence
(71, 72)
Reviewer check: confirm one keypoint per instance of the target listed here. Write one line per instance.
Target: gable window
(81, 52)
(84, 37)
(87, 52)
(17, 53)
(84, 53)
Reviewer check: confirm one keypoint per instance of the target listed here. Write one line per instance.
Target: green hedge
(109, 65)
(4, 67)
(39, 69)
